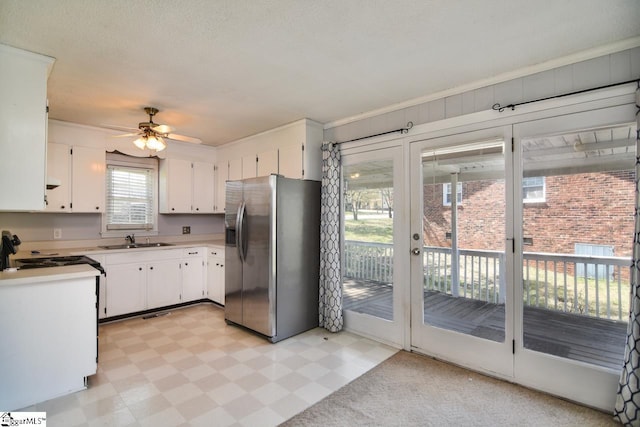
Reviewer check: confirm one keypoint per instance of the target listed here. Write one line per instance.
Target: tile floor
(190, 368)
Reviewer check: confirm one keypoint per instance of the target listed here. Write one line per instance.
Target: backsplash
(39, 226)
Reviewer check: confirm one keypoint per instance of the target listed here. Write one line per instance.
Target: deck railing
(595, 286)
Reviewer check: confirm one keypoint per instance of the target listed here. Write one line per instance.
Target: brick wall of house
(595, 208)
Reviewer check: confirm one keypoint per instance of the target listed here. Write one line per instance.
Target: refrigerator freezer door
(258, 268)
(233, 263)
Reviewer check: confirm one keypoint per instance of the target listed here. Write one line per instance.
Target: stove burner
(29, 263)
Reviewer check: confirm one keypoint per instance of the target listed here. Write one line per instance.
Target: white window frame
(133, 162)
(535, 199)
(446, 191)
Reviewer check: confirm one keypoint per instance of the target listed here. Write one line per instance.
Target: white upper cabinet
(186, 187)
(292, 161)
(222, 174)
(59, 168)
(87, 179)
(293, 150)
(203, 187)
(235, 169)
(249, 168)
(267, 163)
(23, 128)
(81, 173)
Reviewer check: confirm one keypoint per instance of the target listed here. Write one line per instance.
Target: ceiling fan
(152, 135)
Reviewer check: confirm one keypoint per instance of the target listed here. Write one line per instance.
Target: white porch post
(455, 258)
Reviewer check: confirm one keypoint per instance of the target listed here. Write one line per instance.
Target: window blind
(129, 198)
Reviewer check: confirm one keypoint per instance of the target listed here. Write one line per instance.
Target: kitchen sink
(137, 245)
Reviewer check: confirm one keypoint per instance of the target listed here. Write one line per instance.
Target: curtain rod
(401, 130)
(497, 107)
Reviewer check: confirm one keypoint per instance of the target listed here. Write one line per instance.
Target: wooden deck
(597, 341)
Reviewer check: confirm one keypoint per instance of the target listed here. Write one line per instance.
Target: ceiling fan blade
(183, 138)
(122, 128)
(126, 134)
(162, 129)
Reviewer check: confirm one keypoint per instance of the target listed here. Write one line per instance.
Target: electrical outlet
(186, 229)
(57, 233)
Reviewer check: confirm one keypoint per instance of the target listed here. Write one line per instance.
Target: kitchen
(292, 149)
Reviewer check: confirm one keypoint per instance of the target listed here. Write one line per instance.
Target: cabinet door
(126, 289)
(192, 278)
(175, 186)
(235, 169)
(267, 163)
(58, 167)
(215, 275)
(88, 179)
(222, 174)
(249, 167)
(23, 129)
(291, 161)
(163, 283)
(203, 187)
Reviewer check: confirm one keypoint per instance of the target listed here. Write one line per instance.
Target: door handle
(416, 251)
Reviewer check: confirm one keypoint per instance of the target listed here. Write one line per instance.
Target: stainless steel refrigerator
(272, 239)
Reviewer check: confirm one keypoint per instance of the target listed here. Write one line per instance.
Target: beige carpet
(412, 390)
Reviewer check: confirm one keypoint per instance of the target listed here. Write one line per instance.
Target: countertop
(88, 250)
(42, 275)
(39, 275)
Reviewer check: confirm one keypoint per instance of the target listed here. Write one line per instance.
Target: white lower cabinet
(163, 283)
(142, 280)
(193, 273)
(126, 288)
(215, 274)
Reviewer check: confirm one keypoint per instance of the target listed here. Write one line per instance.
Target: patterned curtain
(330, 308)
(627, 409)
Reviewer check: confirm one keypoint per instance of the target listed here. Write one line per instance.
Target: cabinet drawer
(193, 252)
(216, 251)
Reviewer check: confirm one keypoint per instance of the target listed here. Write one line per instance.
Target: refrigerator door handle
(240, 239)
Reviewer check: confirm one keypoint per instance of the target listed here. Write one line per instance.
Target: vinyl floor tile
(190, 368)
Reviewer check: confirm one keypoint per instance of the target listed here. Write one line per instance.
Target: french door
(521, 239)
(375, 272)
(461, 306)
(574, 235)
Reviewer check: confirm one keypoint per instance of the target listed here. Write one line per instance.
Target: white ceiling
(220, 70)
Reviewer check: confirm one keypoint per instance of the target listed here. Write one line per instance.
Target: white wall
(604, 70)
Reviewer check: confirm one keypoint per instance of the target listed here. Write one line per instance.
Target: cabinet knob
(97, 208)
(173, 209)
(139, 268)
(197, 209)
(186, 263)
(151, 268)
(62, 207)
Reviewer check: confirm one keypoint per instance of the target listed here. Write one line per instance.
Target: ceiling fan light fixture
(141, 142)
(156, 143)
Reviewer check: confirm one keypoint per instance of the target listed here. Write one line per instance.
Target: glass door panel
(577, 228)
(463, 239)
(459, 234)
(575, 186)
(372, 270)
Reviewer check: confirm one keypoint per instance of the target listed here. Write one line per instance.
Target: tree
(387, 198)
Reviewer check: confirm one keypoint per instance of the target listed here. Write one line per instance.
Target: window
(131, 196)
(446, 193)
(533, 189)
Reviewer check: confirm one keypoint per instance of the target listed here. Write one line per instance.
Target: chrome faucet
(131, 239)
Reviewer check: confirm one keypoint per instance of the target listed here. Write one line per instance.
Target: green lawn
(366, 229)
